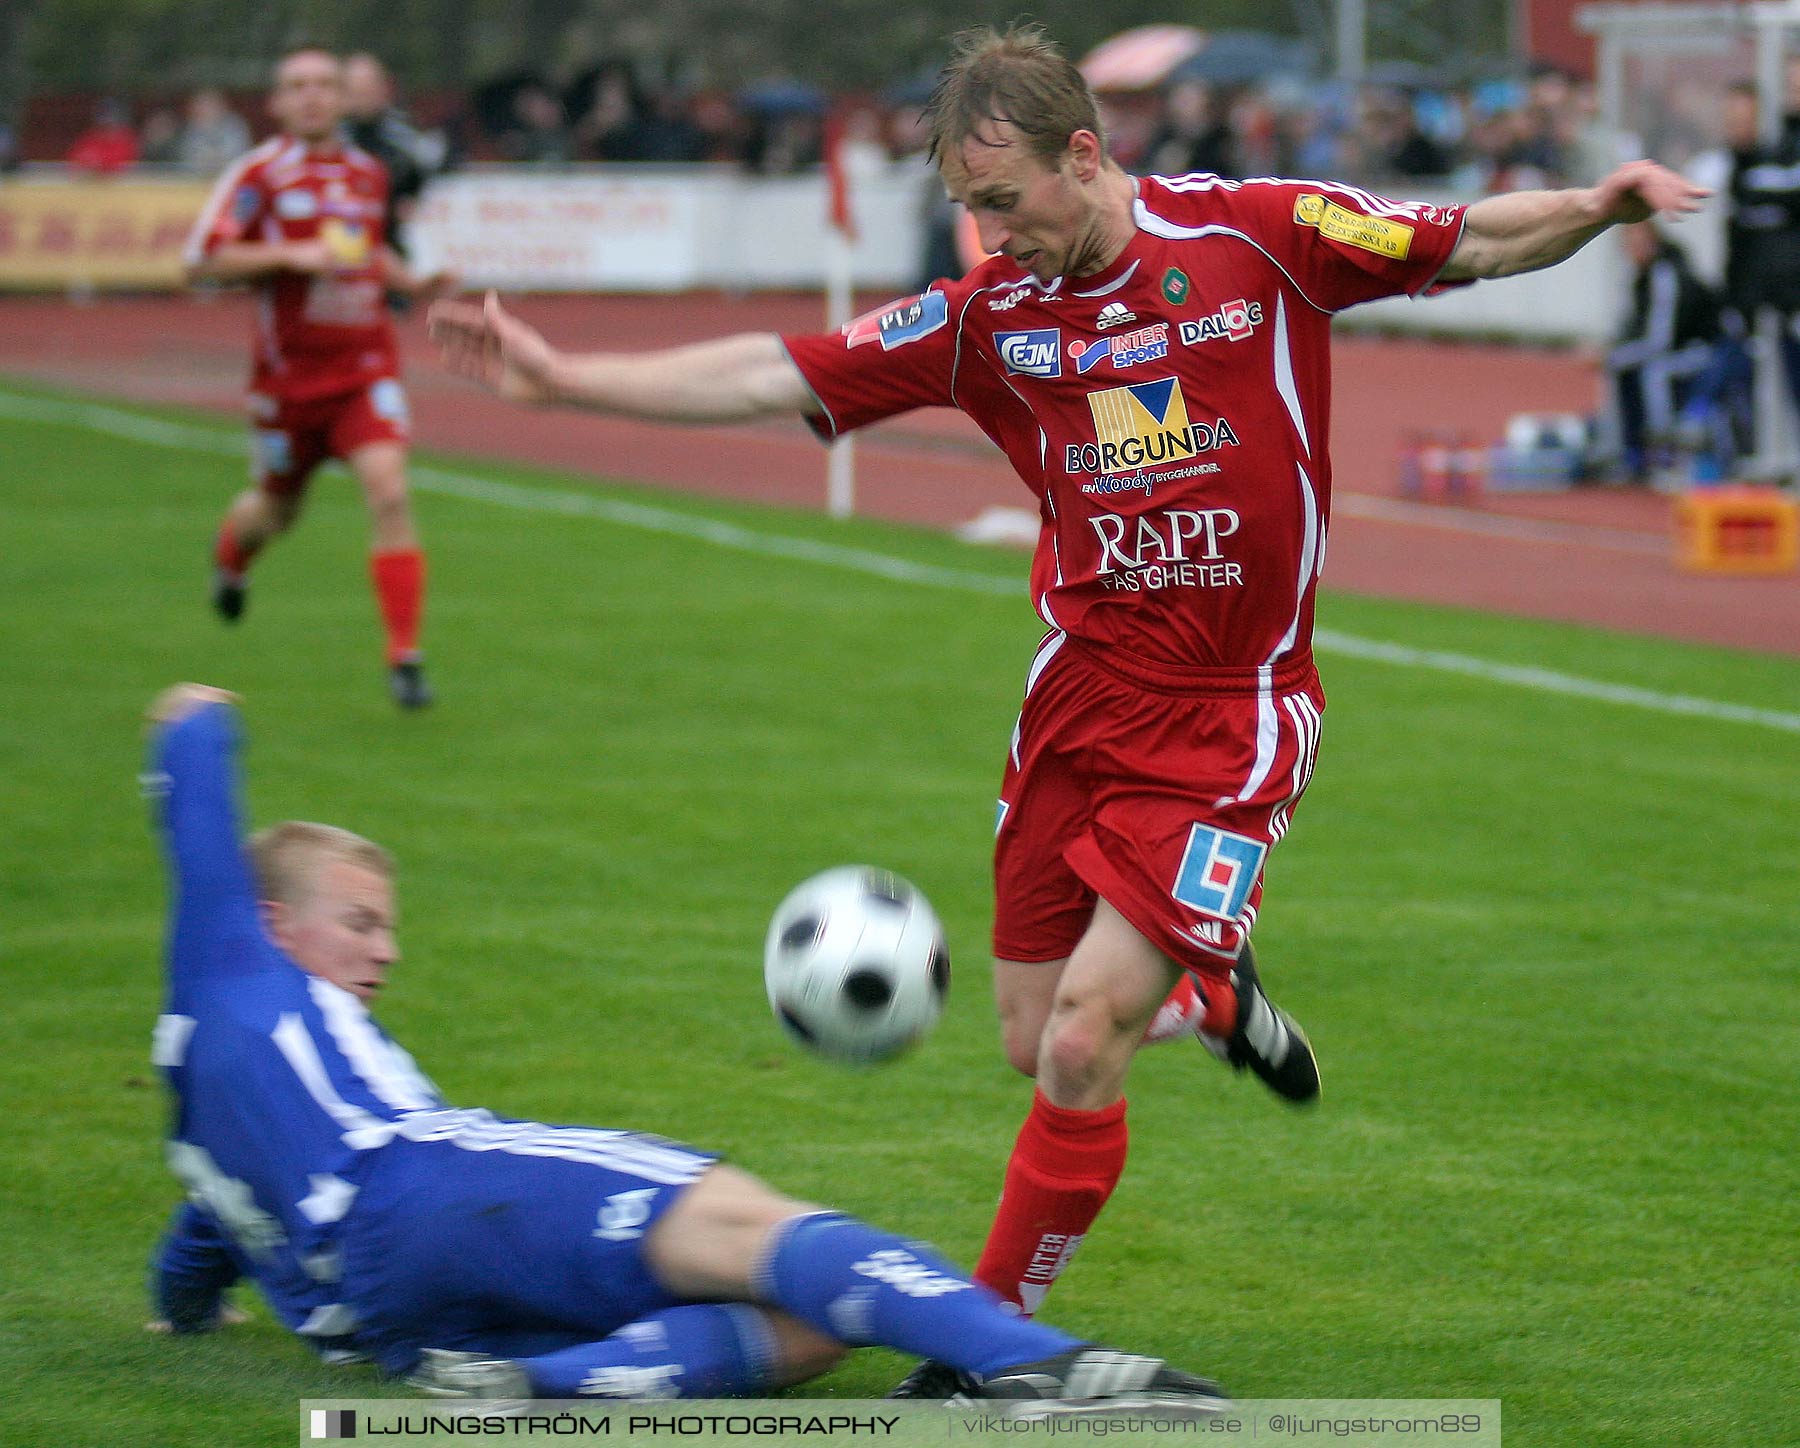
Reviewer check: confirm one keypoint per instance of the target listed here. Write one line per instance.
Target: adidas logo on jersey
(1114, 314)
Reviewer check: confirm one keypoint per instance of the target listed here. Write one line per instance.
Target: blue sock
(702, 1350)
(865, 1286)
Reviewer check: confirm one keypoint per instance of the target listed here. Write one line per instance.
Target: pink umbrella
(1140, 58)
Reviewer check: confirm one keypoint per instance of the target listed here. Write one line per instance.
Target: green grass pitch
(1545, 948)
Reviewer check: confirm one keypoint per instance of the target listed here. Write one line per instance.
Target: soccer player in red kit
(1152, 355)
(300, 219)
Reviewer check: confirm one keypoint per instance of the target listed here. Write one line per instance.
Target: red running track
(1596, 556)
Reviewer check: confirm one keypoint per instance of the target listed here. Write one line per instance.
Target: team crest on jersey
(1378, 234)
(1175, 286)
(1036, 353)
(1217, 872)
(296, 204)
(1234, 321)
(899, 322)
(1143, 422)
(1127, 349)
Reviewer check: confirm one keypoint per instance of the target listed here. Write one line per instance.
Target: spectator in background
(538, 132)
(374, 123)
(1762, 223)
(668, 134)
(9, 150)
(1256, 135)
(1193, 135)
(214, 136)
(1663, 359)
(613, 113)
(159, 138)
(719, 126)
(1394, 144)
(783, 142)
(107, 147)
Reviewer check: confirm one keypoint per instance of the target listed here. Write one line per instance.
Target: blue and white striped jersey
(284, 1086)
(288, 1096)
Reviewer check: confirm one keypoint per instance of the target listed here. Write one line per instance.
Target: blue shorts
(515, 1240)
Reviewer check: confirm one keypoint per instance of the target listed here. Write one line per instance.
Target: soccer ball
(855, 965)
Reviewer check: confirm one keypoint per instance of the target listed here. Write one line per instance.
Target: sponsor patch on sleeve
(1378, 234)
(899, 322)
(244, 202)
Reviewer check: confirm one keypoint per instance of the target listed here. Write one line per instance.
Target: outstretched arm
(1526, 230)
(249, 261)
(732, 379)
(215, 926)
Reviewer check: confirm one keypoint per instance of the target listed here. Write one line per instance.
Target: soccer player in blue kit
(483, 1256)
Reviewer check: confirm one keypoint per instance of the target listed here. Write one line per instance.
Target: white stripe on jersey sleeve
(360, 1130)
(387, 1071)
(223, 190)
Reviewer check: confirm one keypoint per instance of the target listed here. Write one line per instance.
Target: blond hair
(288, 856)
(1018, 75)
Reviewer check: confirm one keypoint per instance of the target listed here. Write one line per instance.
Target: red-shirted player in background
(300, 218)
(1153, 357)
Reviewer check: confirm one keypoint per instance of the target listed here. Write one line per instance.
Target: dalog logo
(1234, 321)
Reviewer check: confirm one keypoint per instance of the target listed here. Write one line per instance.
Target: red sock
(1064, 1166)
(231, 555)
(1192, 1006)
(399, 577)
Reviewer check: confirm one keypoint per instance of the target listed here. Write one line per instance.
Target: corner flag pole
(840, 235)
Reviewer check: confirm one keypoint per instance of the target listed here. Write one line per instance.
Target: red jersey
(1171, 412)
(316, 336)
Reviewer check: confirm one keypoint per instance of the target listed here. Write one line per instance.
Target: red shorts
(1165, 797)
(290, 439)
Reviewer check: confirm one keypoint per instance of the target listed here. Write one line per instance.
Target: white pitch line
(136, 427)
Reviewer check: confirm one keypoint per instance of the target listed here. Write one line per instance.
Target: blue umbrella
(1238, 57)
(782, 98)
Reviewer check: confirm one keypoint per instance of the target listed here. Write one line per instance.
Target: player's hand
(180, 701)
(431, 286)
(228, 1316)
(313, 258)
(1638, 190)
(487, 344)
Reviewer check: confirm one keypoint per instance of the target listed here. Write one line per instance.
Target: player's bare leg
(396, 566)
(1104, 999)
(1091, 1013)
(1024, 992)
(256, 516)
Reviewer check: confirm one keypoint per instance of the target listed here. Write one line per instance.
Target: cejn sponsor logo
(1234, 321)
(1166, 548)
(1128, 349)
(1031, 354)
(1143, 423)
(900, 322)
(1114, 314)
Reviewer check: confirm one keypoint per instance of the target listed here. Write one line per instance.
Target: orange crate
(1737, 529)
